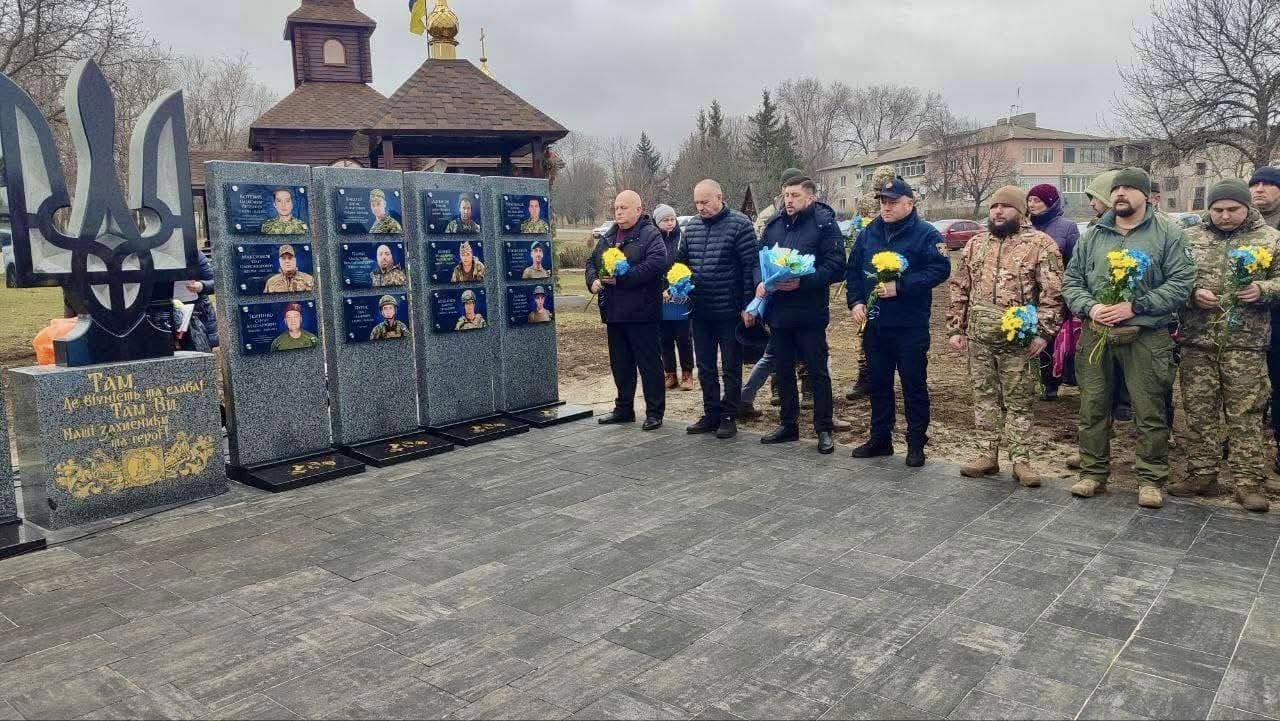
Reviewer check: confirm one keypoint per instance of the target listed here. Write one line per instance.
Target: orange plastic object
(43, 342)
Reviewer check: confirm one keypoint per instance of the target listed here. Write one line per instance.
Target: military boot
(1073, 462)
(980, 466)
(1250, 497)
(1024, 474)
(1088, 488)
(1189, 487)
(1150, 497)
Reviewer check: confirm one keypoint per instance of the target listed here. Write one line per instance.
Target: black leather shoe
(915, 456)
(614, 418)
(784, 434)
(728, 429)
(705, 424)
(651, 424)
(826, 444)
(858, 391)
(872, 449)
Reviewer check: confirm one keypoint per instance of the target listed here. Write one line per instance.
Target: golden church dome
(442, 23)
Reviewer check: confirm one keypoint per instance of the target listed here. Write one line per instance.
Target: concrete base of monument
(481, 430)
(551, 415)
(297, 472)
(101, 441)
(398, 449)
(17, 538)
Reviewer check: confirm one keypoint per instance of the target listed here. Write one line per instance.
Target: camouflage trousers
(1223, 397)
(1004, 389)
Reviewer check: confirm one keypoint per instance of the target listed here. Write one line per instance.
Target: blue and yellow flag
(417, 16)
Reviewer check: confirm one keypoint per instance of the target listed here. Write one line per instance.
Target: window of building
(1037, 155)
(1068, 154)
(1075, 183)
(843, 183)
(1094, 155)
(842, 203)
(334, 53)
(1170, 203)
(1170, 184)
(1202, 168)
(1198, 203)
(909, 168)
(1117, 154)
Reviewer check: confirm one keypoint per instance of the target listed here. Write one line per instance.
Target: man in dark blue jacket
(798, 310)
(720, 248)
(896, 336)
(631, 308)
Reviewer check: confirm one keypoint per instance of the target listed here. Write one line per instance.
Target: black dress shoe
(728, 429)
(915, 456)
(826, 444)
(615, 417)
(783, 434)
(651, 424)
(705, 424)
(873, 449)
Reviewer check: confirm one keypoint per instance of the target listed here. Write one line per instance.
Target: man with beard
(1264, 189)
(1223, 388)
(463, 223)
(388, 273)
(1005, 266)
(1132, 333)
(289, 279)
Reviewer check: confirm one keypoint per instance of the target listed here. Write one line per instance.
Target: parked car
(603, 230)
(956, 232)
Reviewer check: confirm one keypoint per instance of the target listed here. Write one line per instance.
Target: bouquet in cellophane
(679, 282)
(1019, 324)
(1247, 264)
(889, 267)
(1127, 269)
(776, 265)
(613, 264)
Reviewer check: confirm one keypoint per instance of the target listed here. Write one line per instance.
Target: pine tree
(770, 142)
(702, 125)
(715, 122)
(646, 160)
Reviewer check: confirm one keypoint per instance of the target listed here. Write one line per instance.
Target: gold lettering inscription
(104, 472)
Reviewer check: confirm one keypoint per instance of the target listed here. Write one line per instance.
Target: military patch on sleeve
(942, 249)
(1187, 249)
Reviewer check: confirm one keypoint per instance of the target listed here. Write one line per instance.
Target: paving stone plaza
(601, 572)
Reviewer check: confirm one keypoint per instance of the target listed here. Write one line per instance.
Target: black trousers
(809, 345)
(676, 336)
(632, 347)
(906, 351)
(710, 336)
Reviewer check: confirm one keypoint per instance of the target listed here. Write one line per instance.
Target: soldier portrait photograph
(384, 223)
(469, 268)
(389, 272)
(540, 313)
(294, 337)
(289, 279)
(534, 223)
(390, 328)
(470, 320)
(536, 271)
(468, 220)
(283, 222)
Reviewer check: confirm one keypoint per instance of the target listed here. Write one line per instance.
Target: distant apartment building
(1185, 180)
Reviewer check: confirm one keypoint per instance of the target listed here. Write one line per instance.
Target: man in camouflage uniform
(1264, 187)
(284, 223)
(1006, 265)
(1224, 379)
(536, 271)
(539, 314)
(386, 225)
(389, 327)
(470, 320)
(468, 269)
(463, 224)
(388, 272)
(289, 279)
(534, 223)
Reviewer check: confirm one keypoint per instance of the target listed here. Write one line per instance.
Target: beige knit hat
(1012, 196)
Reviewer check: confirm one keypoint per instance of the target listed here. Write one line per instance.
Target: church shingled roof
(330, 12)
(324, 106)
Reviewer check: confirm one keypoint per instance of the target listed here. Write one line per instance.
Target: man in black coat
(631, 309)
(720, 248)
(798, 310)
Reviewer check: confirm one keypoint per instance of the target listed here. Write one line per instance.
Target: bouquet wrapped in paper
(1128, 267)
(889, 267)
(613, 264)
(679, 282)
(776, 265)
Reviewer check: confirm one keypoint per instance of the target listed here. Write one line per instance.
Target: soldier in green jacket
(386, 225)
(390, 327)
(1224, 361)
(534, 223)
(1136, 334)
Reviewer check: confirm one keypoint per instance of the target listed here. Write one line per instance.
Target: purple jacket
(1063, 231)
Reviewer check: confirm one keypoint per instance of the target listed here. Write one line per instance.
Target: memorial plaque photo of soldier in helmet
(529, 304)
(375, 318)
(458, 310)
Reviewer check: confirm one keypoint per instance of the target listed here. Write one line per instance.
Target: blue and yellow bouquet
(613, 264)
(679, 282)
(776, 265)
(1019, 324)
(889, 267)
(1246, 264)
(1127, 268)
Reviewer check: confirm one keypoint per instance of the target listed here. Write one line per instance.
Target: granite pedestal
(100, 441)
(278, 427)
(15, 536)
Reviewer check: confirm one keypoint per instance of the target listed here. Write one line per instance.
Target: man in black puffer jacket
(631, 308)
(798, 310)
(720, 248)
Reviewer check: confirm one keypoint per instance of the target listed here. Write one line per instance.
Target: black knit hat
(1135, 178)
(1229, 189)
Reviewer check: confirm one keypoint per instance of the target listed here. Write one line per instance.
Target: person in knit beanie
(676, 337)
(1045, 206)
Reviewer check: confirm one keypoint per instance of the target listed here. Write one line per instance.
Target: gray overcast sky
(616, 67)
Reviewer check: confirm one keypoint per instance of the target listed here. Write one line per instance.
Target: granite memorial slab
(367, 317)
(277, 399)
(528, 372)
(16, 537)
(456, 336)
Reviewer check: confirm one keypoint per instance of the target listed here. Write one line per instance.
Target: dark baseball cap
(895, 189)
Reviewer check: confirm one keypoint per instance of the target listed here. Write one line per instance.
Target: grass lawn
(23, 312)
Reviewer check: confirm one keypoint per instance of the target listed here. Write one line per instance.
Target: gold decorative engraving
(478, 428)
(398, 447)
(135, 467)
(302, 469)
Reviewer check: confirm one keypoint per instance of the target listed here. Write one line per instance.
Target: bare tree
(1207, 73)
(222, 99)
(817, 115)
(879, 113)
(966, 161)
(582, 181)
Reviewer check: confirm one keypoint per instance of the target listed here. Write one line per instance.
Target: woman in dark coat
(676, 337)
(1045, 207)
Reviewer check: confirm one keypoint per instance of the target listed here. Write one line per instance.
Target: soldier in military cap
(294, 337)
(464, 223)
(470, 320)
(536, 271)
(468, 269)
(534, 223)
(389, 327)
(289, 279)
(539, 314)
(385, 225)
(388, 272)
(284, 223)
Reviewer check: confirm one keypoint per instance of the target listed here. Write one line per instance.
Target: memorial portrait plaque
(278, 327)
(457, 261)
(274, 268)
(365, 211)
(372, 318)
(459, 310)
(373, 265)
(529, 304)
(526, 214)
(452, 212)
(527, 260)
(266, 209)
